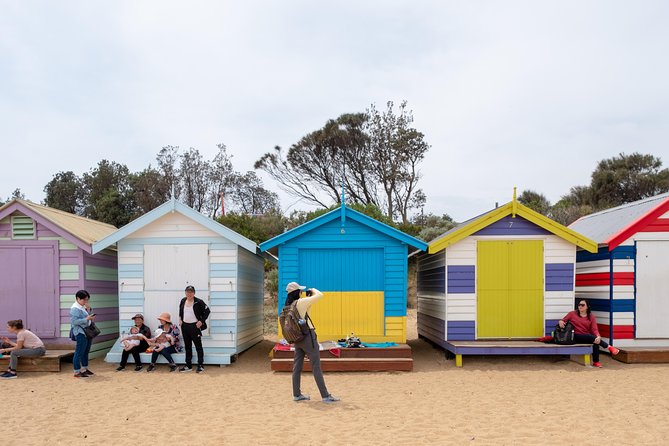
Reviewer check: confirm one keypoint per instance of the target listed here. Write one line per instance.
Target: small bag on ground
(564, 336)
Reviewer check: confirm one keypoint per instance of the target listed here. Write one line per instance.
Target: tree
(107, 196)
(535, 201)
(375, 154)
(432, 226)
(248, 195)
(221, 179)
(64, 192)
(150, 189)
(627, 178)
(258, 228)
(167, 160)
(194, 175)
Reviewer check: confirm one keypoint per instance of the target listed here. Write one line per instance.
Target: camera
(308, 292)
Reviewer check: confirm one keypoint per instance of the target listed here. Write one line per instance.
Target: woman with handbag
(80, 320)
(586, 331)
(27, 345)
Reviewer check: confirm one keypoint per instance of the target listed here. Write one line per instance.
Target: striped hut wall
(130, 268)
(101, 281)
(224, 292)
(461, 290)
(250, 299)
(559, 261)
(431, 296)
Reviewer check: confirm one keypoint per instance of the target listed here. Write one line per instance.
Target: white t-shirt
(189, 314)
(30, 339)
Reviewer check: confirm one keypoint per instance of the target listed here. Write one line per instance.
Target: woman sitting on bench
(586, 331)
(27, 345)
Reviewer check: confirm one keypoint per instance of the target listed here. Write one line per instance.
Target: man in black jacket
(193, 314)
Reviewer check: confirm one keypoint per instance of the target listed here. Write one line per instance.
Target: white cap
(292, 286)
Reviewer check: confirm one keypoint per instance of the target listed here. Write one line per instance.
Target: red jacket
(582, 325)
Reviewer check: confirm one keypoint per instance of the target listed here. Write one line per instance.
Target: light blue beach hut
(174, 246)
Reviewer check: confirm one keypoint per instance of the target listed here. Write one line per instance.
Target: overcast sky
(529, 94)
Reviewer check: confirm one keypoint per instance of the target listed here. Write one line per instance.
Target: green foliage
(64, 192)
(432, 226)
(535, 201)
(272, 282)
(258, 228)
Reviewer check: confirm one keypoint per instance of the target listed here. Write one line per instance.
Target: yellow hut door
(510, 283)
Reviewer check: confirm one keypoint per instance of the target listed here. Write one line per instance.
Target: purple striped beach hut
(45, 257)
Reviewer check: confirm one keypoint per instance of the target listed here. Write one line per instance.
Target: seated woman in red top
(586, 331)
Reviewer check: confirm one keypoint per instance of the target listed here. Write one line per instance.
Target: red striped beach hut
(627, 280)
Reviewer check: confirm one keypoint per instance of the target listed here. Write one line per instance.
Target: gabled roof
(79, 230)
(512, 208)
(343, 213)
(614, 226)
(167, 207)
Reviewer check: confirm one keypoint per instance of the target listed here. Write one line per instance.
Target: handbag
(564, 336)
(92, 330)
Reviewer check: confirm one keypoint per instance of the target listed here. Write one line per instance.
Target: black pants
(135, 351)
(590, 339)
(192, 335)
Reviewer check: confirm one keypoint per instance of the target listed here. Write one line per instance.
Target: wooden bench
(50, 362)
(460, 348)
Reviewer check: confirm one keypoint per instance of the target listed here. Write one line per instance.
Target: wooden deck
(511, 347)
(397, 358)
(50, 362)
(643, 355)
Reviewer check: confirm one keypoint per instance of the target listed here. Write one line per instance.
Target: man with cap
(307, 346)
(193, 314)
(138, 319)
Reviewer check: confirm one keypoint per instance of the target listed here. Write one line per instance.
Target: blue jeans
(81, 351)
(166, 352)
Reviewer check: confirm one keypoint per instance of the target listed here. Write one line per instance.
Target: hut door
(510, 289)
(652, 283)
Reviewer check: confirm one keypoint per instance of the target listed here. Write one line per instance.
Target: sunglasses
(581, 305)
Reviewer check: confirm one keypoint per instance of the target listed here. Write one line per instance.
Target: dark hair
(587, 308)
(82, 294)
(17, 324)
(292, 297)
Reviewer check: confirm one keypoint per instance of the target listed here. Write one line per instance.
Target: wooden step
(401, 351)
(641, 355)
(50, 362)
(348, 365)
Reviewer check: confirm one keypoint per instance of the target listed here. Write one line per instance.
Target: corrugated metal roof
(86, 230)
(604, 225)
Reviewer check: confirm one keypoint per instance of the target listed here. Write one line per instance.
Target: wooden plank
(50, 362)
(643, 355)
(389, 352)
(349, 365)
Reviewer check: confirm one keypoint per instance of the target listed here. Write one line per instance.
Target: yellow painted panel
(526, 285)
(492, 307)
(326, 313)
(362, 313)
(396, 329)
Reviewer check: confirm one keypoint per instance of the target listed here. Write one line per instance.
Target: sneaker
(301, 398)
(120, 368)
(173, 367)
(80, 375)
(150, 368)
(614, 351)
(88, 372)
(200, 369)
(185, 369)
(330, 399)
(138, 368)
(597, 364)
(8, 375)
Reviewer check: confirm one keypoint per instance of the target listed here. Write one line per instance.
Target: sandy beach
(491, 400)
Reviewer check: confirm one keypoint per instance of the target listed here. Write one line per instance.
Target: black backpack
(293, 327)
(564, 336)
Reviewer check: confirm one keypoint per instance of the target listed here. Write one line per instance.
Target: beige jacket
(304, 303)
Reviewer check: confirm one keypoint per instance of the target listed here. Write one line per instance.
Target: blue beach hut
(359, 263)
(174, 246)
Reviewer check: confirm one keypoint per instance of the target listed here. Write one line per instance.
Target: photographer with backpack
(308, 344)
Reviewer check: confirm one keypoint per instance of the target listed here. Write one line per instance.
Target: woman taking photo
(79, 318)
(27, 345)
(172, 331)
(586, 331)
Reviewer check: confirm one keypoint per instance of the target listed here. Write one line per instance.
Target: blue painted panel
(585, 256)
(624, 252)
(461, 330)
(512, 226)
(223, 274)
(461, 279)
(131, 267)
(130, 274)
(223, 267)
(619, 305)
(550, 326)
(342, 269)
(559, 277)
(432, 280)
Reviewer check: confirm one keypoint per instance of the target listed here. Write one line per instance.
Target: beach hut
(507, 274)
(359, 263)
(174, 246)
(46, 255)
(627, 280)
